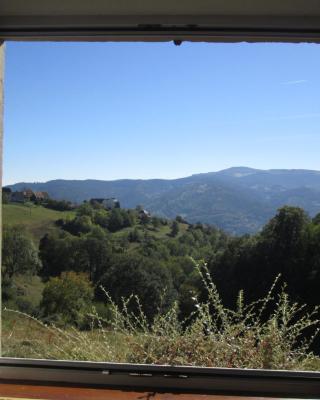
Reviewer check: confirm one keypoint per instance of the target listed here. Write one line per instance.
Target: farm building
(108, 203)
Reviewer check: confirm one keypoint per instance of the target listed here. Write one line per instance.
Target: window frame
(162, 378)
(156, 377)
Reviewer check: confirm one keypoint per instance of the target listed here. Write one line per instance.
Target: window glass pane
(162, 203)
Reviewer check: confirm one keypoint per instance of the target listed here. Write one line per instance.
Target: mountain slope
(238, 199)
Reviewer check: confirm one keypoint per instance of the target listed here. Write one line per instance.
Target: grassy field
(30, 288)
(23, 336)
(38, 220)
(163, 232)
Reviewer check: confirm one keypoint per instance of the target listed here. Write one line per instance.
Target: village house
(144, 213)
(28, 195)
(17, 197)
(40, 196)
(108, 203)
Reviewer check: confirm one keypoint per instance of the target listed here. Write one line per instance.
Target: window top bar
(161, 20)
(159, 33)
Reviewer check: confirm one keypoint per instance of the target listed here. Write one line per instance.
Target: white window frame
(162, 378)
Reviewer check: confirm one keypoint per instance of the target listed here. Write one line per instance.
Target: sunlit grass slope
(37, 220)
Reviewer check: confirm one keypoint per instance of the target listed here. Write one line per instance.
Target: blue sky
(155, 110)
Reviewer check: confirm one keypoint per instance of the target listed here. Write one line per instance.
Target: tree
(79, 225)
(89, 253)
(181, 220)
(286, 229)
(144, 277)
(252, 263)
(19, 254)
(59, 205)
(67, 298)
(99, 253)
(144, 218)
(316, 219)
(6, 195)
(174, 229)
(128, 218)
(101, 218)
(115, 220)
(54, 252)
(135, 235)
(85, 209)
(156, 222)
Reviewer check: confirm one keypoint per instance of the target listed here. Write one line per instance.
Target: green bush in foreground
(214, 335)
(66, 298)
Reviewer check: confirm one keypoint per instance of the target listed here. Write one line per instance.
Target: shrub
(269, 333)
(19, 254)
(67, 299)
(58, 205)
(136, 275)
(220, 337)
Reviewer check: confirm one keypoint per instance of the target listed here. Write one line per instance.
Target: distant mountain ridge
(238, 199)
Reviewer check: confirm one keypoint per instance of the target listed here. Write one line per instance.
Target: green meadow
(37, 220)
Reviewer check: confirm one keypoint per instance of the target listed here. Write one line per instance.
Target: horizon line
(161, 179)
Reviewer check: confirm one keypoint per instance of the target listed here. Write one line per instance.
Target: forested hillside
(237, 200)
(93, 255)
(124, 250)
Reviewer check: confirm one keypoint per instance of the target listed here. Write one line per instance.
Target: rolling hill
(36, 219)
(239, 199)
